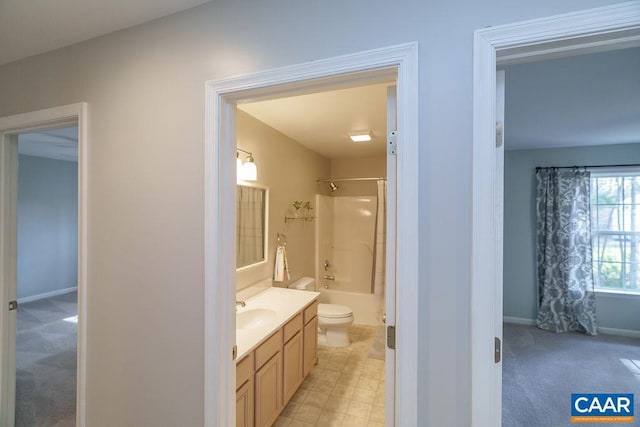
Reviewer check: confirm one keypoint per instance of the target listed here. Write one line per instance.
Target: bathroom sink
(255, 318)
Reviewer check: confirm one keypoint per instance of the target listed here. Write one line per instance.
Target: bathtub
(366, 307)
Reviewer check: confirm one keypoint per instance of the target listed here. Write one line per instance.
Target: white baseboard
(519, 321)
(620, 332)
(47, 295)
(601, 330)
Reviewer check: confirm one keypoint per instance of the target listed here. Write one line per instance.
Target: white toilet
(333, 319)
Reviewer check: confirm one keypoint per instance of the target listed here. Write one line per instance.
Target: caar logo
(602, 408)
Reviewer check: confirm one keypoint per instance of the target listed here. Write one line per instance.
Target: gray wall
(519, 230)
(145, 90)
(47, 225)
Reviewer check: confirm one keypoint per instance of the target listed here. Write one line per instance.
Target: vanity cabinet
(310, 355)
(244, 392)
(269, 376)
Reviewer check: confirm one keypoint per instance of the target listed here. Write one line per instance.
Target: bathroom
(333, 239)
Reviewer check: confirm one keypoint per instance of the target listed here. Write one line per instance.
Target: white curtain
(380, 241)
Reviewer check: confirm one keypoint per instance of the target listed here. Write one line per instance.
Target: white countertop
(285, 302)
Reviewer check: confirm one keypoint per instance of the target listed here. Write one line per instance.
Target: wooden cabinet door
(244, 405)
(310, 345)
(268, 397)
(293, 361)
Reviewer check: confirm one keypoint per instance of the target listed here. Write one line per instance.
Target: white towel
(281, 269)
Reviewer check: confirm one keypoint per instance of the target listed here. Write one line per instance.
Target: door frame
(585, 31)
(9, 127)
(219, 239)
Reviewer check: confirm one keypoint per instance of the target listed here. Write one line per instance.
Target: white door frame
(585, 31)
(9, 126)
(220, 144)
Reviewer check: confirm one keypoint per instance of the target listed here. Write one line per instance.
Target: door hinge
(497, 350)
(392, 144)
(391, 337)
(234, 352)
(499, 134)
(13, 305)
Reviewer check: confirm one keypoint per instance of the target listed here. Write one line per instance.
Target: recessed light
(364, 136)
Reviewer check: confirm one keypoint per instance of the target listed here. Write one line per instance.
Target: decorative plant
(302, 205)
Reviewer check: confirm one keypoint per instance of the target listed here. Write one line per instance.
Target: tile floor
(346, 388)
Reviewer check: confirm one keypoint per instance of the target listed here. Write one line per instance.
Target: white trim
(77, 113)
(602, 330)
(221, 98)
(519, 321)
(568, 33)
(47, 295)
(619, 332)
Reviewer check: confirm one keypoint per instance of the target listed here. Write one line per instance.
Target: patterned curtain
(565, 273)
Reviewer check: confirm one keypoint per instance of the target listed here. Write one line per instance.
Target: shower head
(333, 186)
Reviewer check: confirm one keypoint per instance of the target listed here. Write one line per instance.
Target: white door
(390, 274)
(499, 215)
(8, 316)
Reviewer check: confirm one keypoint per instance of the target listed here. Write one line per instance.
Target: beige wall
(358, 168)
(290, 172)
(145, 91)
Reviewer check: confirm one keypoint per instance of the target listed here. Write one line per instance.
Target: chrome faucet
(241, 303)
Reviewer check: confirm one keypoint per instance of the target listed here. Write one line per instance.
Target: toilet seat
(334, 311)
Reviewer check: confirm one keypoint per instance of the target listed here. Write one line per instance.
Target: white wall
(290, 172)
(145, 90)
(47, 226)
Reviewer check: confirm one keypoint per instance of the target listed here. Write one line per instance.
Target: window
(615, 230)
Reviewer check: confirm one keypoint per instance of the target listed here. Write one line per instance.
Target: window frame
(609, 172)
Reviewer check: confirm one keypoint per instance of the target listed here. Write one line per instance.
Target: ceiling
(322, 121)
(28, 28)
(577, 101)
(59, 143)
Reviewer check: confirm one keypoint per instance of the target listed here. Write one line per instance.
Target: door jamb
(28, 121)
(584, 31)
(221, 98)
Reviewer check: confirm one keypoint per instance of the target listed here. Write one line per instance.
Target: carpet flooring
(541, 369)
(46, 362)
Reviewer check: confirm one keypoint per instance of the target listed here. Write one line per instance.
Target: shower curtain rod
(586, 167)
(326, 180)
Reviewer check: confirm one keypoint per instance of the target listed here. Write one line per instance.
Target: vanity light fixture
(247, 170)
(363, 136)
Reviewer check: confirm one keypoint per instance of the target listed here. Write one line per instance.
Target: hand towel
(281, 269)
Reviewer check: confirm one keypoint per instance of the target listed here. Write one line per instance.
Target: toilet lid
(334, 310)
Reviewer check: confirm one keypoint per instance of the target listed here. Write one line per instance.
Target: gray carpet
(541, 369)
(46, 363)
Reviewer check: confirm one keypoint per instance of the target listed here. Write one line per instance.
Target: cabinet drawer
(310, 312)
(244, 369)
(292, 327)
(267, 349)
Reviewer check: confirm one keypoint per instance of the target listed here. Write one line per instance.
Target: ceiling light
(364, 136)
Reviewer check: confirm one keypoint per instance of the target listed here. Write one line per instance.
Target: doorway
(10, 129)
(222, 97)
(581, 32)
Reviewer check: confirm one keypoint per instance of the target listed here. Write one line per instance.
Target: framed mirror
(251, 225)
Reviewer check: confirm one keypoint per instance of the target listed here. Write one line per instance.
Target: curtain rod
(326, 180)
(586, 167)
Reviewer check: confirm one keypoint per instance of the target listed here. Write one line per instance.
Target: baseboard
(619, 332)
(47, 295)
(601, 330)
(519, 321)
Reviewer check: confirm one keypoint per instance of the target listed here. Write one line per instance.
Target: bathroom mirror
(251, 225)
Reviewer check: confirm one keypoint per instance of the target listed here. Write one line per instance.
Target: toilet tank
(304, 283)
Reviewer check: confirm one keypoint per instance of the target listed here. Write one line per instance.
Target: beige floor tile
(330, 419)
(342, 391)
(377, 413)
(316, 399)
(282, 422)
(323, 386)
(359, 409)
(368, 383)
(290, 410)
(298, 423)
(337, 405)
(307, 413)
(363, 395)
(299, 396)
(351, 421)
